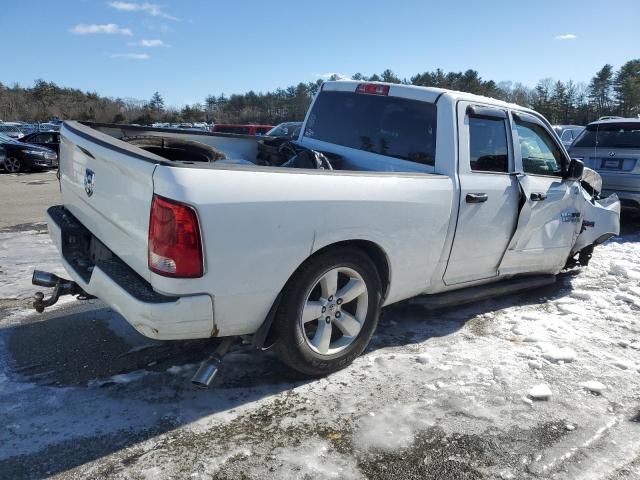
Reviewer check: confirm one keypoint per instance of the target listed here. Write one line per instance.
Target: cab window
(386, 125)
(488, 150)
(540, 154)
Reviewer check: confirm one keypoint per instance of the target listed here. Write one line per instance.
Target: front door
(550, 215)
(489, 194)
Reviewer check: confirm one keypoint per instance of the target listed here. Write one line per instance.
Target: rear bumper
(625, 185)
(152, 314)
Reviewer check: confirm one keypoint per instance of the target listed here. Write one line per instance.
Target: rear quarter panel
(260, 225)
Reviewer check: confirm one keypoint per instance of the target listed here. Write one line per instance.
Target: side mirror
(575, 170)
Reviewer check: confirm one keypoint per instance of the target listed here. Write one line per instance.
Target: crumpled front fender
(601, 221)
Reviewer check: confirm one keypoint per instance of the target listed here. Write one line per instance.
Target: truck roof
(430, 94)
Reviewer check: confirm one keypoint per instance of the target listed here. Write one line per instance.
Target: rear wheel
(12, 165)
(329, 311)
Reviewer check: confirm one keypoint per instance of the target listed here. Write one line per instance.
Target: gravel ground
(445, 395)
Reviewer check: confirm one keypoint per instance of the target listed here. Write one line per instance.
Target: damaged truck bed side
(390, 192)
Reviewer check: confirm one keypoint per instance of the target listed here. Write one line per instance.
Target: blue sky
(190, 48)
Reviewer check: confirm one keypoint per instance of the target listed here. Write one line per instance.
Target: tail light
(373, 89)
(175, 246)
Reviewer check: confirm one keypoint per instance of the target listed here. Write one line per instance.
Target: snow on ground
(20, 254)
(539, 385)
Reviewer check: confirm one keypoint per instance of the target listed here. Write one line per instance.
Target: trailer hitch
(60, 287)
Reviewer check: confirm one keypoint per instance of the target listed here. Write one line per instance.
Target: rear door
(489, 194)
(550, 217)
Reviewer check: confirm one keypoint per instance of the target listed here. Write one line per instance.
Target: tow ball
(60, 287)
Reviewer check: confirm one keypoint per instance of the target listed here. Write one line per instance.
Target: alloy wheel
(334, 310)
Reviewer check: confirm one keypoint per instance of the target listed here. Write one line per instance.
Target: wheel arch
(373, 250)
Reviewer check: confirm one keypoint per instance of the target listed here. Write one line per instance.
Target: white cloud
(149, 43)
(131, 56)
(148, 8)
(107, 28)
(566, 36)
(341, 76)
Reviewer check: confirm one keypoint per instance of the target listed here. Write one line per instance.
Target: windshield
(391, 126)
(610, 135)
(5, 139)
(285, 130)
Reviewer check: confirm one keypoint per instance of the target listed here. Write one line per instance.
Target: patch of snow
(392, 428)
(540, 392)
(20, 254)
(180, 369)
(557, 355)
(535, 364)
(120, 378)
(423, 359)
(622, 364)
(313, 459)
(593, 386)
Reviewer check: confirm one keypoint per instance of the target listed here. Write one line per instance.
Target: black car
(269, 145)
(24, 156)
(49, 140)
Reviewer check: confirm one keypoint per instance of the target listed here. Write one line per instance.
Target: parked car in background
(50, 140)
(269, 145)
(24, 156)
(612, 148)
(26, 127)
(11, 130)
(241, 129)
(567, 133)
(48, 127)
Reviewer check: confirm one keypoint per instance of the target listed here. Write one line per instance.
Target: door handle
(477, 197)
(538, 196)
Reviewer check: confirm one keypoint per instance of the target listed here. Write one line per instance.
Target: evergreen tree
(600, 90)
(627, 88)
(157, 103)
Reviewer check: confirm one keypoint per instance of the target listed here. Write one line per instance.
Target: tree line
(609, 92)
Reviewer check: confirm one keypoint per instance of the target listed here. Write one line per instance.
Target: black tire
(291, 346)
(17, 165)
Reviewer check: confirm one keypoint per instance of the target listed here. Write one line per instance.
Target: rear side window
(488, 145)
(610, 135)
(540, 154)
(391, 126)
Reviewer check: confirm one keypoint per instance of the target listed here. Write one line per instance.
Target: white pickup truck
(394, 191)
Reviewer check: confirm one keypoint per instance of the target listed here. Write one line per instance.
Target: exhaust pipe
(209, 368)
(206, 373)
(45, 279)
